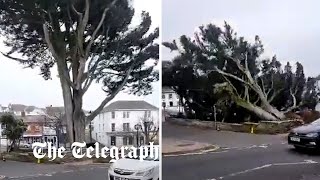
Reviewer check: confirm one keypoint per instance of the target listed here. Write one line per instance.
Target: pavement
(177, 146)
(22, 170)
(241, 156)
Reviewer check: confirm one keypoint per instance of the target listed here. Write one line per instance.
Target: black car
(306, 136)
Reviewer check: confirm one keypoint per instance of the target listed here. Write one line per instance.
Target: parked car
(132, 168)
(306, 136)
(25, 145)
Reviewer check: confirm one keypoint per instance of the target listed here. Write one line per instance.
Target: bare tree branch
(113, 94)
(233, 76)
(98, 27)
(54, 53)
(14, 58)
(263, 87)
(274, 95)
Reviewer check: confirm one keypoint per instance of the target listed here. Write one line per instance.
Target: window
(147, 114)
(125, 140)
(126, 126)
(113, 115)
(163, 96)
(170, 96)
(171, 103)
(126, 114)
(130, 140)
(102, 127)
(141, 140)
(113, 127)
(99, 127)
(113, 140)
(163, 104)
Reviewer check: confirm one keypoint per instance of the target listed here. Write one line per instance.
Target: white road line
(250, 170)
(308, 161)
(191, 154)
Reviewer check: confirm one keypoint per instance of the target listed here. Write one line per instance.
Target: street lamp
(148, 127)
(137, 127)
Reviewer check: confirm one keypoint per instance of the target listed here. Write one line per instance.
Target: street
(241, 156)
(19, 170)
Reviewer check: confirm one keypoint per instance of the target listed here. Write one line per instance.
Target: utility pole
(215, 116)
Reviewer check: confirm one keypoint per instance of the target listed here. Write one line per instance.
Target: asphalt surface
(241, 157)
(20, 170)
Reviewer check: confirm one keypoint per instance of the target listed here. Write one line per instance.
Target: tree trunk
(78, 117)
(261, 113)
(265, 104)
(67, 99)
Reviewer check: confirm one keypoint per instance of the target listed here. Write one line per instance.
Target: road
(241, 157)
(20, 170)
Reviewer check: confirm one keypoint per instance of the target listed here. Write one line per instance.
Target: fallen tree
(236, 71)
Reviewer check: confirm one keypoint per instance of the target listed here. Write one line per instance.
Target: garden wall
(264, 127)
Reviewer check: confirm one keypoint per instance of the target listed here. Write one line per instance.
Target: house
(20, 110)
(115, 125)
(171, 101)
(49, 127)
(3, 140)
(17, 109)
(32, 110)
(3, 109)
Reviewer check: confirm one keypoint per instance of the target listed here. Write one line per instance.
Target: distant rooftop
(166, 89)
(129, 105)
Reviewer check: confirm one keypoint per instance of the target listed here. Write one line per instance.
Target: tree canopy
(14, 128)
(218, 69)
(89, 41)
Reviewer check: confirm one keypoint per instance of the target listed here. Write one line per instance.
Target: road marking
(308, 161)
(49, 174)
(250, 170)
(190, 154)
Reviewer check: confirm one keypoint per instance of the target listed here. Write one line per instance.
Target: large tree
(88, 41)
(232, 71)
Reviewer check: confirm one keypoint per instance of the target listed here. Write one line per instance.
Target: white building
(3, 109)
(114, 126)
(170, 101)
(3, 140)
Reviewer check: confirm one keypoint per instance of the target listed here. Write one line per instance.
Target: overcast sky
(26, 86)
(288, 28)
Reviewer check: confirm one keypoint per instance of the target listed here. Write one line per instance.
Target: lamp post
(147, 127)
(137, 127)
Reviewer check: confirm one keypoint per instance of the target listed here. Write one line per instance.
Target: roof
(17, 107)
(129, 105)
(52, 111)
(29, 108)
(166, 63)
(33, 119)
(166, 89)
